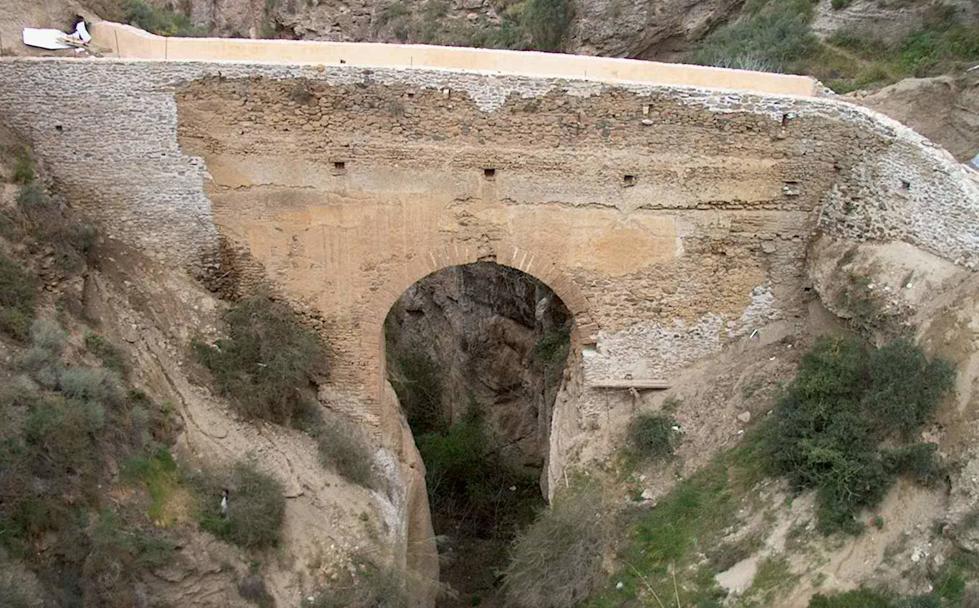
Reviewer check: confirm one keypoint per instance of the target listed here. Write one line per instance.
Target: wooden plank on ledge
(636, 383)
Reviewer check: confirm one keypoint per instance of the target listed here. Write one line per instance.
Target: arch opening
(476, 355)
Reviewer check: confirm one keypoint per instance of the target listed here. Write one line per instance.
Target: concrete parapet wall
(127, 42)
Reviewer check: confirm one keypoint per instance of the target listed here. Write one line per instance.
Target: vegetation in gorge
(468, 483)
(158, 20)
(777, 36)
(481, 490)
(541, 25)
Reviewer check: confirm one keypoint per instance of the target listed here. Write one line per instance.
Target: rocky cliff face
(944, 109)
(662, 30)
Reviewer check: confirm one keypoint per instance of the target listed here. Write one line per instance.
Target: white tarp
(46, 39)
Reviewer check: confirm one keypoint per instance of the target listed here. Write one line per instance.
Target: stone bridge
(670, 207)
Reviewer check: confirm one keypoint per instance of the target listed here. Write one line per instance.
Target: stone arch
(585, 329)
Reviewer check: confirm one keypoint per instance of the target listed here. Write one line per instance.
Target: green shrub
(97, 385)
(868, 598)
(470, 485)
(918, 461)
(904, 386)
(553, 347)
(654, 435)
(557, 560)
(417, 381)
(846, 400)
(63, 433)
(344, 449)
(110, 356)
(18, 299)
(942, 44)
(44, 366)
(547, 23)
(43, 359)
(775, 38)
(49, 222)
(23, 167)
(267, 362)
(160, 21)
(160, 476)
(256, 506)
(49, 336)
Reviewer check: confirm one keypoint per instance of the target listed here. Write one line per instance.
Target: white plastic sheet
(52, 40)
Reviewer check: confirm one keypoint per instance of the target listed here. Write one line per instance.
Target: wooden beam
(636, 383)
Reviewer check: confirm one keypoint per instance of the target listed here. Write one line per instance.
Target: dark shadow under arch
(476, 354)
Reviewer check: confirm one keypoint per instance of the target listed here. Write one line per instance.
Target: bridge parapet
(128, 42)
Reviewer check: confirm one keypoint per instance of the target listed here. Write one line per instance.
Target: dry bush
(557, 561)
(267, 363)
(654, 435)
(256, 505)
(344, 449)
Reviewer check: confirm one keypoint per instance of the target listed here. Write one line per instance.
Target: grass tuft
(345, 450)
